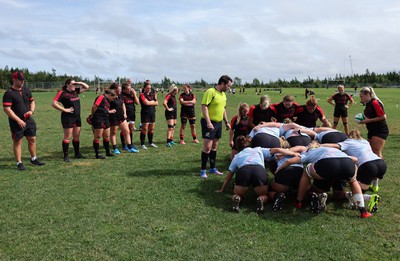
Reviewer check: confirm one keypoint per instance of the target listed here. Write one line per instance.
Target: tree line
(376, 80)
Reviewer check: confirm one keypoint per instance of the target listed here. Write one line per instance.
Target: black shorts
(265, 140)
(299, 141)
(334, 137)
(381, 131)
(147, 117)
(333, 169)
(216, 133)
(170, 115)
(251, 175)
(17, 133)
(100, 123)
(71, 121)
(187, 112)
(370, 170)
(289, 176)
(130, 116)
(340, 112)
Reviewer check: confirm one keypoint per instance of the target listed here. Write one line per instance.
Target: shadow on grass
(222, 201)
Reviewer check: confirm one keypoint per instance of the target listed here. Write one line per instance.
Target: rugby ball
(359, 117)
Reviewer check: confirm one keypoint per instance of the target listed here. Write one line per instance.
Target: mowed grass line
(150, 205)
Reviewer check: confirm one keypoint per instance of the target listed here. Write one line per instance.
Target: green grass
(151, 206)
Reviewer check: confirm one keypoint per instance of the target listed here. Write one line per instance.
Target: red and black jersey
(18, 100)
(171, 101)
(240, 127)
(307, 119)
(150, 97)
(129, 101)
(117, 105)
(187, 97)
(341, 99)
(103, 107)
(70, 99)
(374, 108)
(281, 113)
(259, 115)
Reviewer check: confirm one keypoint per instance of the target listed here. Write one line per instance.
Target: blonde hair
(369, 90)
(264, 101)
(355, 134)
(172, 88)
(313, 145)
(284, 143)
(312, 101)
(242, 106)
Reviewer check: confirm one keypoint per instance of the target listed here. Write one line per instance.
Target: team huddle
(306, 160)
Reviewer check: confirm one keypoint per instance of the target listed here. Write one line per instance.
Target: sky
(191, 40)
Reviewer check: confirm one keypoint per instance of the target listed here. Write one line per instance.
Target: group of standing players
(280, 136)
(307, 161)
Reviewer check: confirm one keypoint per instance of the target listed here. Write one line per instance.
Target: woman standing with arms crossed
(101, 121)
(118, 119)
(130, 100)
(148, 101)
(71, 122)
(340, 102)
(170, 113)
(187, 100)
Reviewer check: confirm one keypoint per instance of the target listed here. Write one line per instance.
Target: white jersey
(320, 135)
(250, 156)
(291, 133)
(282, 160)
(360, 149)
(314, 155)
(273, 131)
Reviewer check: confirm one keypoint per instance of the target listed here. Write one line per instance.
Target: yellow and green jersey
(216, 103)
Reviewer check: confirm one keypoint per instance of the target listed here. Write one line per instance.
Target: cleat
(322, 197)
(365, 214)
(203, 174)
(298, 204)
(169, 145)
(314, 203)
(153, 145)
(172, 142)
(182, 142)
(66, 159)
(196, 141)
(125, 147)
(352, 201)
(116, 152)
(79, 156)
(216, 172)
(374, 188)
(20, 166)
(133, 150)
(100, 156)
(260, 206)
(236, 204)
(144, 147)
(110, 155)
(278, 199)
(37, 162)
(373, 202)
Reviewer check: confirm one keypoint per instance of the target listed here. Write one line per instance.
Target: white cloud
(189, 40)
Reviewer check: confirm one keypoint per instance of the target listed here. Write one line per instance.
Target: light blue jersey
(281, 160)
(360, 149)
(291, 133)
(320, 135)
(314, 155)
(250, 156)
(273, 131)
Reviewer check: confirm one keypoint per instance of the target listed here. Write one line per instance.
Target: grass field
(152, 206)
